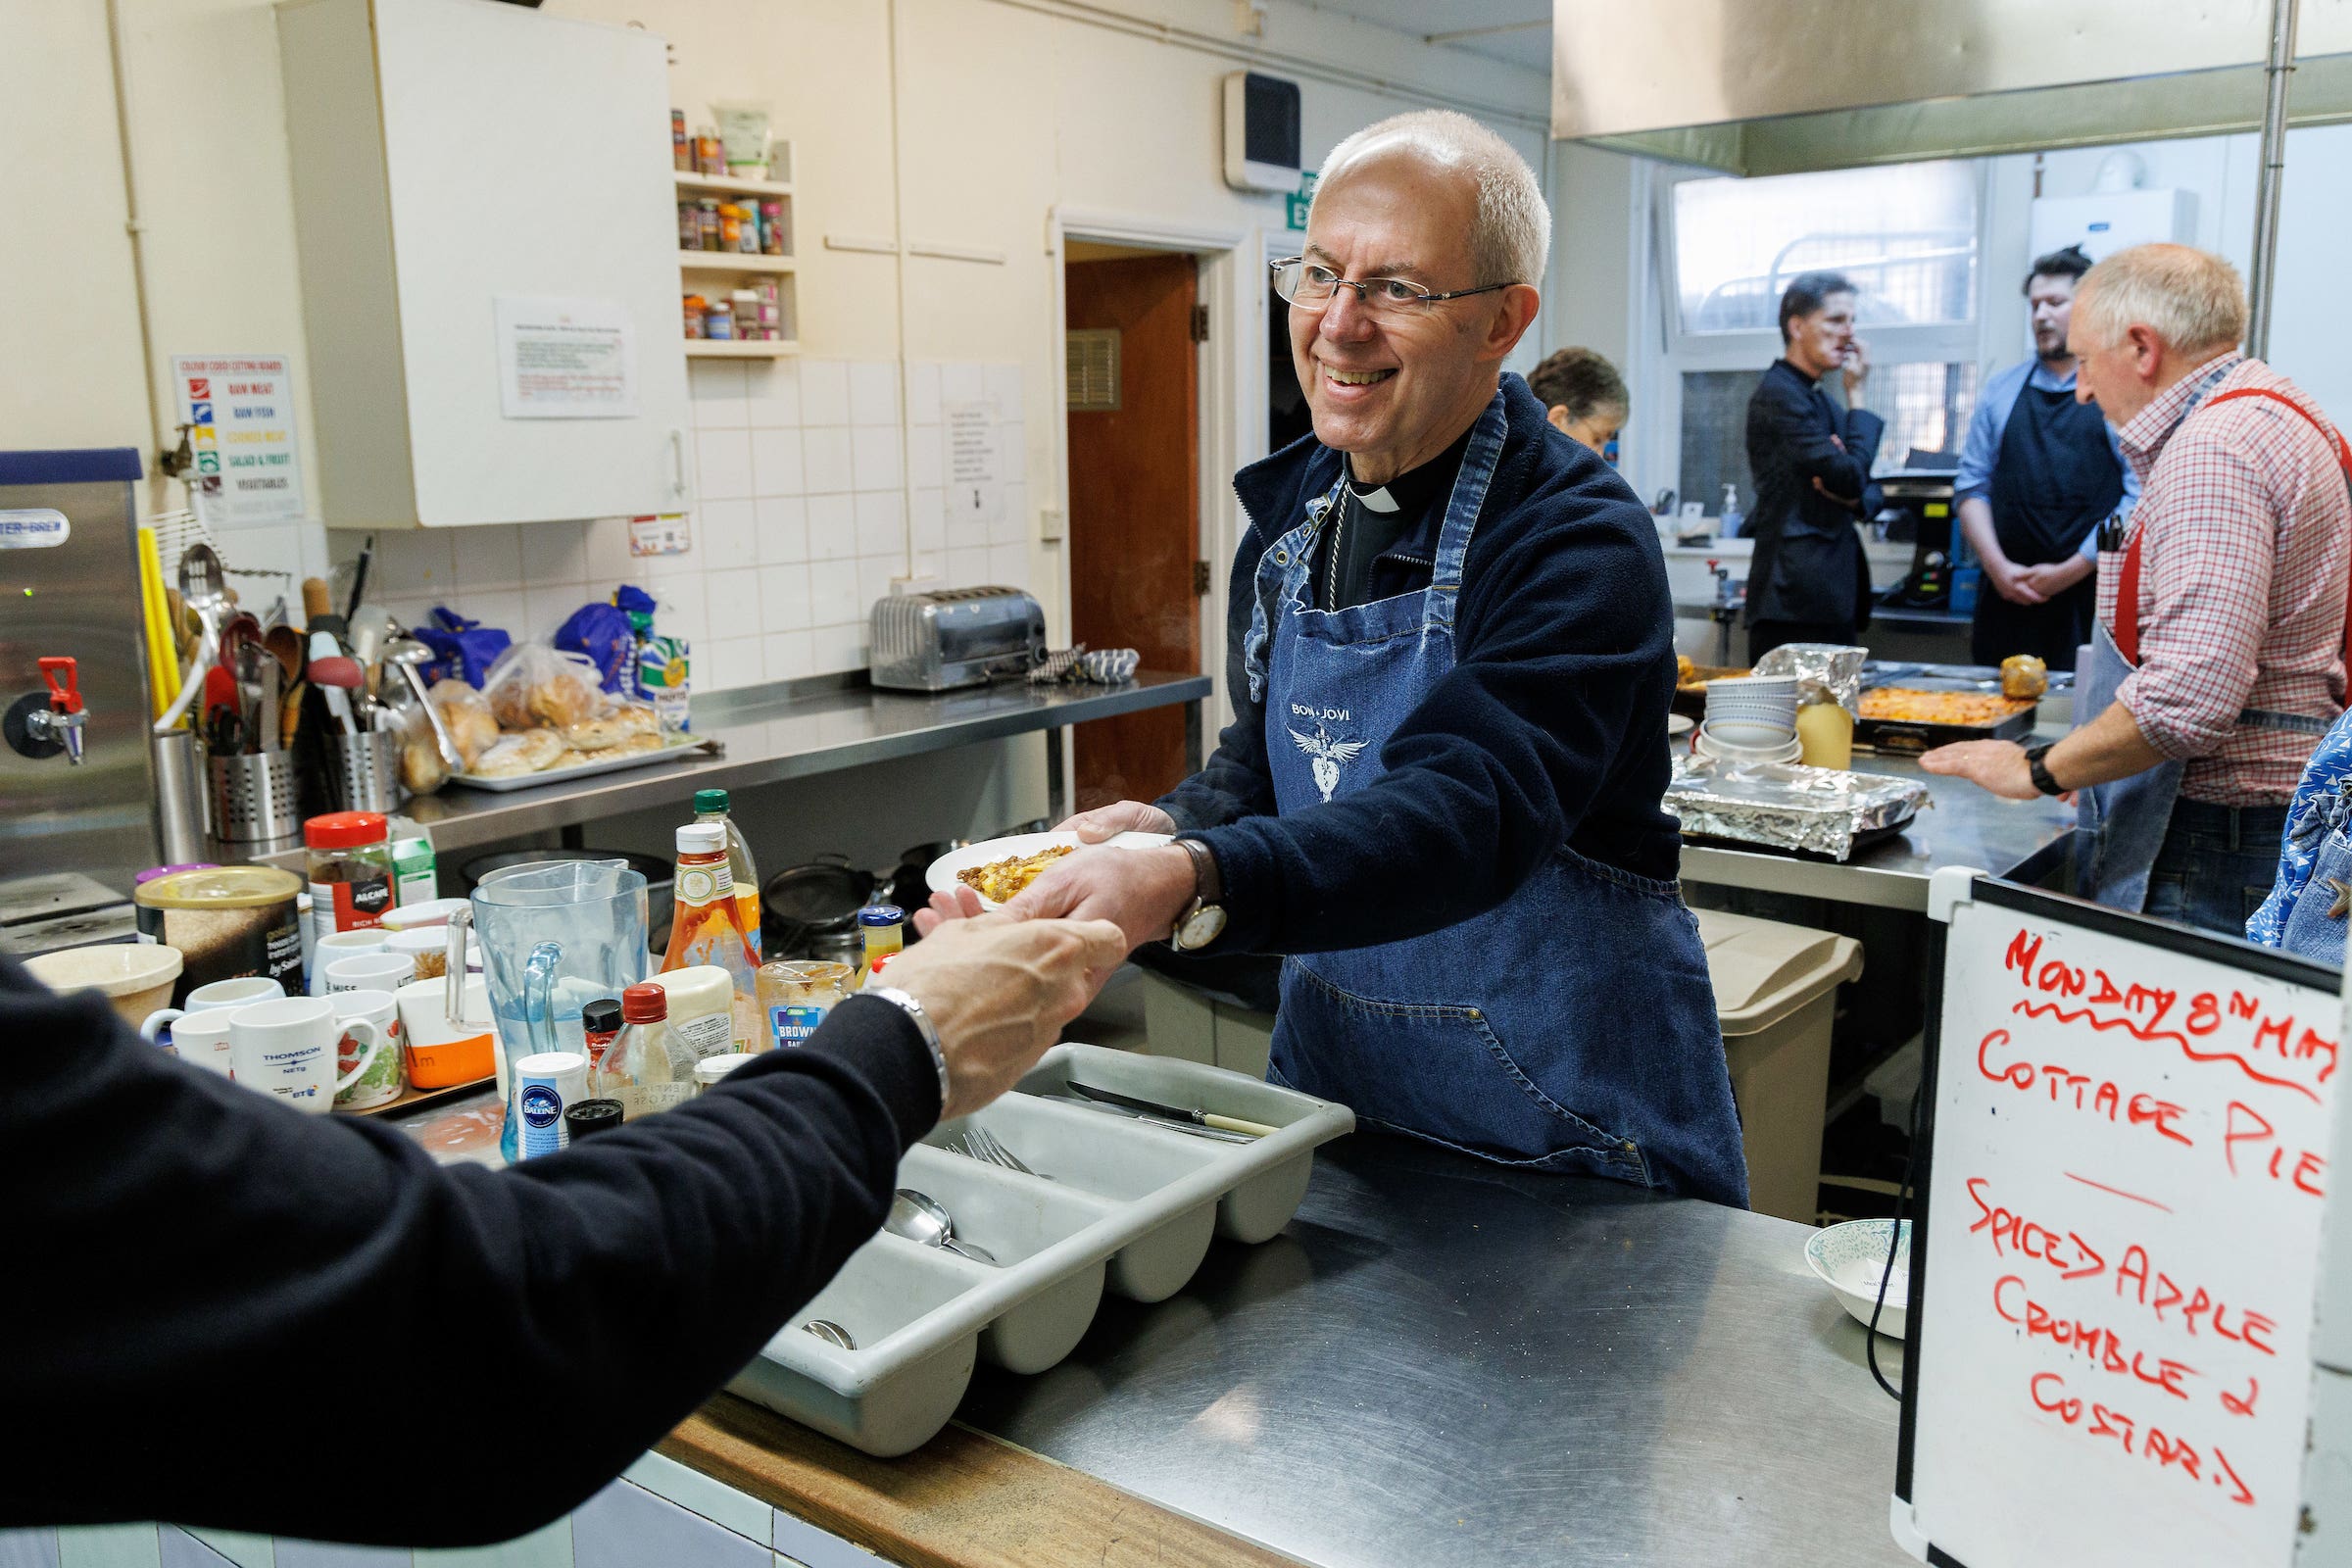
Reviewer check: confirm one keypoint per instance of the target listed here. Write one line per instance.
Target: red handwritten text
(2171, 1453)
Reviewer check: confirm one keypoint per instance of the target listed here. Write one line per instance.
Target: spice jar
(718, 320)
(710, 153)
(349, 870)
(696, 308)
(730, 227)
(796, 994)
(681, 145)
(706, 217)
(771, 227)
(690, 225)
(746, 306)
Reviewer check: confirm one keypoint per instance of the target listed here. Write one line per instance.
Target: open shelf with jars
(735, 250)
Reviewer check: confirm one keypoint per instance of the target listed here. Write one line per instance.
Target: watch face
(1200, 929)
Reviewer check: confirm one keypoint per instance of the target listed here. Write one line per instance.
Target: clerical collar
(1414, 489)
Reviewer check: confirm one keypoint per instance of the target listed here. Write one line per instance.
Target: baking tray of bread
(591, 764)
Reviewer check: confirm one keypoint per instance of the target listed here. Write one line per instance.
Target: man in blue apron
(1450, 659)
(2218, 658)
(2041, 469)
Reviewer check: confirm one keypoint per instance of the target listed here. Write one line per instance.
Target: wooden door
(1135, 512)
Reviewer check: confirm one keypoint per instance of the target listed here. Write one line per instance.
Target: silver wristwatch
(922, 1022)
(1203, 921)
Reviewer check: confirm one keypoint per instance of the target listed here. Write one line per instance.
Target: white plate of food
(1009, 864)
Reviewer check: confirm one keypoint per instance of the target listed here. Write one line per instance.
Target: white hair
(1510, 238)
(2190, 298)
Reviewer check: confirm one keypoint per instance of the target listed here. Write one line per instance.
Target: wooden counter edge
(965, 1499)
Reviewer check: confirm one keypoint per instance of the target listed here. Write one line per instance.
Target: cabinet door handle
(677, 462)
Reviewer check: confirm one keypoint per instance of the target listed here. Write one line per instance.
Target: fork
(987, 1147)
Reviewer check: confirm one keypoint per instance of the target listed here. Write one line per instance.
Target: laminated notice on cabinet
(239, 414)
(565, 358)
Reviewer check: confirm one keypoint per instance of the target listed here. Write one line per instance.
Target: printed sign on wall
(239, 409)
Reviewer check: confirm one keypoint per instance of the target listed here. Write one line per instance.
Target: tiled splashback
(814, 489)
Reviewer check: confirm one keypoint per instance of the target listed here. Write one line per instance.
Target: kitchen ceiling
(1516, 32)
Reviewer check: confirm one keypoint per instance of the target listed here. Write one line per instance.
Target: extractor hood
(1782, 86)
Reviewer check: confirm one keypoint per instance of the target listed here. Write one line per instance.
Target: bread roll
(610, 729)
(516, 755)
(630, 745)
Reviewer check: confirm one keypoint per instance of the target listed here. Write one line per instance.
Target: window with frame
(1905, 234)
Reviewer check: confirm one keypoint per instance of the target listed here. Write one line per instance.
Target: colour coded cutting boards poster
(2123, 1220)
(239, 410)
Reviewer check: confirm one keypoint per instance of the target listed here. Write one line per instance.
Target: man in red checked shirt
(2217, 659)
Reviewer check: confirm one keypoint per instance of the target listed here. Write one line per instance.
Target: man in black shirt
(213, 1293)
(1809, 581)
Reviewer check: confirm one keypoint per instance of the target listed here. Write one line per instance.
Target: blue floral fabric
(2317, 810)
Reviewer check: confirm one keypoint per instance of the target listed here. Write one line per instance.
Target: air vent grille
(1093, 369)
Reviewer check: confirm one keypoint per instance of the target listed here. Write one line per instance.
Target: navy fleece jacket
(1549, 730)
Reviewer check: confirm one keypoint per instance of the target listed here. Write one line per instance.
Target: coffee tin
(226, 921)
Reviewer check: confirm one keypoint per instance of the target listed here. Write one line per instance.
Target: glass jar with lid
(796, 994)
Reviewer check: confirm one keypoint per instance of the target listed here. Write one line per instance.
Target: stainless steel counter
(1441, 1362)
(1967, 826)
(774, 733)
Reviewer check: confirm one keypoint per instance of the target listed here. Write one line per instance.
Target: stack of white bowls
(1750, 719)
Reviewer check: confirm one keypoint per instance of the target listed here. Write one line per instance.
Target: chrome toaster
(933, 642)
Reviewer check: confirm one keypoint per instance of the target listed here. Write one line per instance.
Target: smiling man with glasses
(1451, 656)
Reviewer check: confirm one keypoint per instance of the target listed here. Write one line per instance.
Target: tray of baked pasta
(1922, 711)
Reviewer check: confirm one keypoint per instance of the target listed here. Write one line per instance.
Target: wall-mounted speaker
(1261, 132)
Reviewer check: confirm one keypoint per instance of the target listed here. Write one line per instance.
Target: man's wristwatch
(2040, 770)
(922, 1023)
(1204, 919)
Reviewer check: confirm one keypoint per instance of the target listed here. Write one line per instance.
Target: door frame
(1230, 417)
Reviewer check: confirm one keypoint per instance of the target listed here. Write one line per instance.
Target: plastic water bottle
(1729, 526)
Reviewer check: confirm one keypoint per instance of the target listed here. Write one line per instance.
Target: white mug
(202, 1039)
(370, 971)
(381, 1083)
(231, 993)
(287, 1049)
(340, 944)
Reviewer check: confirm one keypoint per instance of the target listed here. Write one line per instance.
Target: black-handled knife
(1152, 1107)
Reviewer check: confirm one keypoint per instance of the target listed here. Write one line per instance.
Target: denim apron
(1572, 1028)
(2124, 823)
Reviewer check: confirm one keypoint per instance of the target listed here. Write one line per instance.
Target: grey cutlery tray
(1117, 1205)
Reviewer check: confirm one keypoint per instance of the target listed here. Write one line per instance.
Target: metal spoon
(832, 1333)
(920, 1217)
(202, 590)
(404, 654)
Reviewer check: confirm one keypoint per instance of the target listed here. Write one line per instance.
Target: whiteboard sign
(562, 358)
(2112, 1311)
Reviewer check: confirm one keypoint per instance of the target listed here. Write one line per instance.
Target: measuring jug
(556, 935)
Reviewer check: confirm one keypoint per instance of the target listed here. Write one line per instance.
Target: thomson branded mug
(288, 1048)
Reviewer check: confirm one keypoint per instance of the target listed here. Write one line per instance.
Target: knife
(1198, 1118)
(1183, 1127)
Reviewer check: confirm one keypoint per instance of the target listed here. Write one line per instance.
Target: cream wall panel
(69, 323)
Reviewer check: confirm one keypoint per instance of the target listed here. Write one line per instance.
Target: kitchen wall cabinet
(457, 161)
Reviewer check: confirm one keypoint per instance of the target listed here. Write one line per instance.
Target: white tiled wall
(815, 488)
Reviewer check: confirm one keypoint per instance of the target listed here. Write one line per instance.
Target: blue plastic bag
(462, 650)
(603, 633)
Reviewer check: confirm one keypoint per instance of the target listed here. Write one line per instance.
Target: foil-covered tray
(1786, 805)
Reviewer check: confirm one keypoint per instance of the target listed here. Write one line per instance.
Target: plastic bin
(1776, 997)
